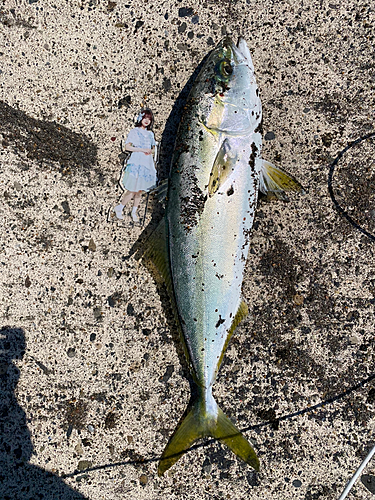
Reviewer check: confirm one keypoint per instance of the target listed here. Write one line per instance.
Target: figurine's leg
(137, 198)
(125, 198)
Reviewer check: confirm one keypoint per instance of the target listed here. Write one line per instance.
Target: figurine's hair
(145, 112)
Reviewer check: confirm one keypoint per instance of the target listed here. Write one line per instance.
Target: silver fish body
(200, 247)
(209, 233)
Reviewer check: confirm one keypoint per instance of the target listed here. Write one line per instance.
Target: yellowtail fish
(201, 245)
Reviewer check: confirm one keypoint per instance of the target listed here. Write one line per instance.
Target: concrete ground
(92, 378)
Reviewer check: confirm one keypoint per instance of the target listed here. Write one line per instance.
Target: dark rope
(271, 423)
(330, 188)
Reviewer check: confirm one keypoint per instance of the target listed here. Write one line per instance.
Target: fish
(201, 245)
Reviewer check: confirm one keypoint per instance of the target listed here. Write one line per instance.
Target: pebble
(298, 299)
(207, 467)
(71, 352)
(182, 28)
(111, 5)
(354, 340)
(97, 313)
(143, 480)
(92, 245)
(91, 428)
(270, 136)
(167, 85)
(79, 449)
(185, 12)
(84, 464)
(66, 208)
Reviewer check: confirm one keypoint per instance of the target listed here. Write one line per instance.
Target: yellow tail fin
(206, 419)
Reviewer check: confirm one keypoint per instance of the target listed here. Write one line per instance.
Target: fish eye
(223, 69)
(226, 68)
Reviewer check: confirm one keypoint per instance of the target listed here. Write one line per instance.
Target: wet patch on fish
(193, 205)
(220, 321)
(254, 152)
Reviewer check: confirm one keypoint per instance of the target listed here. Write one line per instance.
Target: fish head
(231, 87)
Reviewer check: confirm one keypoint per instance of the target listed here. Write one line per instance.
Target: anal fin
(156, 259)
(156, 253)
(241, 313)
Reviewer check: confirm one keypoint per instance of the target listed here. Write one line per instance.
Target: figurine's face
(145, 121)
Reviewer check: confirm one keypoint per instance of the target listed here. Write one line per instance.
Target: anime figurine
(140, 174)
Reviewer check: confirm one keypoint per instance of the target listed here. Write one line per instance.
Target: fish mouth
(244, 51)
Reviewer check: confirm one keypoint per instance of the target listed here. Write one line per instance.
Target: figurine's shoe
(134, 217)
(118, 212)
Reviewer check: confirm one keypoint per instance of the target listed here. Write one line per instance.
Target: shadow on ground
(20, 480)
(46, 142)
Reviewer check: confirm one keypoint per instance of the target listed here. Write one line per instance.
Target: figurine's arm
(129, 147)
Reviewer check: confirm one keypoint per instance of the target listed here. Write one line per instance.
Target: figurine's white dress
(140, 173)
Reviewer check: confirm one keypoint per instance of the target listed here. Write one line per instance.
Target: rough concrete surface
(93, 381)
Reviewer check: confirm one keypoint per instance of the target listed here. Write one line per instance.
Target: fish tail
(205, 418)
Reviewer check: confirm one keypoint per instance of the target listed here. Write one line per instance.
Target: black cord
(271, 423)
(330, 188)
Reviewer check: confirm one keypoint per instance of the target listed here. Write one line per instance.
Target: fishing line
(330, 188)
(156, 458)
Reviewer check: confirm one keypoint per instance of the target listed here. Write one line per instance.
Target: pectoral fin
(275, 180)
(223, 165)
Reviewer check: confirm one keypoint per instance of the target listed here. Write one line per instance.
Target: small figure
(140, 172)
